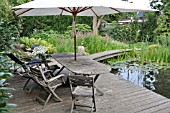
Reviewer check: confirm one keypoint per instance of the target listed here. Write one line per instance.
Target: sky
(145, 2)
(141, 2)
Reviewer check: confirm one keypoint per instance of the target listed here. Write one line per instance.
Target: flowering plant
(39, 50)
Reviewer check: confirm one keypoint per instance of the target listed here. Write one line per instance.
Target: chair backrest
(80, 80)
(43, 57)
(14, 58)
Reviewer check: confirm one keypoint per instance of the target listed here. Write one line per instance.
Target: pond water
(148, 75)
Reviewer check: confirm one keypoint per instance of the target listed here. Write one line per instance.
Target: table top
(83, 65)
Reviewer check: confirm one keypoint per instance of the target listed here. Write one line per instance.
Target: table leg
(98, 91)
(96, 77)
(60, 70)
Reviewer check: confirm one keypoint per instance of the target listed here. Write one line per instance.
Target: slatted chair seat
(83, 91)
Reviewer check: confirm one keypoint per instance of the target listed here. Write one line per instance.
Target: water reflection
(148, 76)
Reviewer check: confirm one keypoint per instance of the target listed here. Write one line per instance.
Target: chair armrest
(56, 77)
(34, 61)
(26, 59)
(46, 71)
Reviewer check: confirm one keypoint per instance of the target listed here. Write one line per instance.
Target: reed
(95, 44)
(153, 53)
(92, 44)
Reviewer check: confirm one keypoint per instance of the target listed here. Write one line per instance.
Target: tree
(96, 24)
(164, 19)
(107, 18)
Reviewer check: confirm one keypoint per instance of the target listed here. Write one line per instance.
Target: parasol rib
(64, 9)
(16, 9)
(94, 12)
(61, 11)
(114, 9)
(25, 11)
(78, 9)
(70, 9)
(83, 9)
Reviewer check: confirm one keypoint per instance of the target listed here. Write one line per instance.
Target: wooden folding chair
(84, 88)
(48, 82)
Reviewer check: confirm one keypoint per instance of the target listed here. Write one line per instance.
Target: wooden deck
(120, 96)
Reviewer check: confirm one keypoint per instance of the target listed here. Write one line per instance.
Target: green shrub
(29, 42)
(117, 32)
(164, 40)
(9, 34)
(43, 34)
(84, 28)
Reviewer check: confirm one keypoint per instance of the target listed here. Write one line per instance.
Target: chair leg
(26, 83)
(73, 105)
(52, 91)
(94, 104)
(48, 98)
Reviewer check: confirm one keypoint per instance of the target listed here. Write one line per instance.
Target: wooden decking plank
(134, 97)
(121, 93)
(117, 99)
(138, 107)
(163, 110)
(122, 107)
(156, 108)
(133, 94)
(137, 99)
(60, 107)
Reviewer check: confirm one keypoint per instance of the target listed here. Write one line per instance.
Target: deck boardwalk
(109, 54)
(120, 96)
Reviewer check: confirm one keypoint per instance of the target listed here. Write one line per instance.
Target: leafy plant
(29, 42)
(4, 95)
(39, 50)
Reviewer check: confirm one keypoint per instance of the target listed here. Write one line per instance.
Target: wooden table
(83, 65)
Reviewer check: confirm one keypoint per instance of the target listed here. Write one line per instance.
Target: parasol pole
(74, 32)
